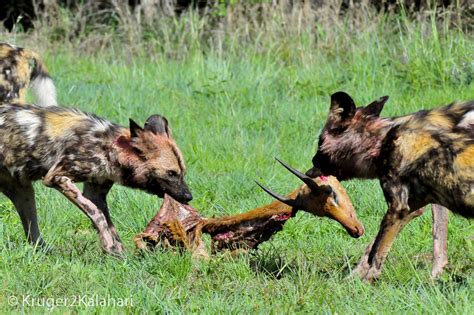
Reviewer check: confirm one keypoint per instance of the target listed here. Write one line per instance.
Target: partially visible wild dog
(180, 226)
(63, 146)
(423, 158)
(18, 68)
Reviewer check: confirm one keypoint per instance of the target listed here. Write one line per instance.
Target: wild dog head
(350, 140)
(151, 160)
(323, 197)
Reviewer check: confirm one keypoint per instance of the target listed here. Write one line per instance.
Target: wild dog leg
(440, 240)
(23, 198)
(363, 266)
(97, 194)
(397, 216)
(389, 229)
(24, 201)
(67, 188)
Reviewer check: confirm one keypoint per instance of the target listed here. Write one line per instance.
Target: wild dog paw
(38, 243)
(371, 274)
(115, 250)
(361, 269)
(438, 268)
(365, 272)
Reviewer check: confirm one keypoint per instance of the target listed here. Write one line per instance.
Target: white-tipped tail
(467, 120)
(44, 91)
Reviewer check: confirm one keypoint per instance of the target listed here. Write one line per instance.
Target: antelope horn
(289, 202)
(305, 178)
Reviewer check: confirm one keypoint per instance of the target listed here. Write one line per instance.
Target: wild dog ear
(375, 108)
(342, 107)
(158, 125)
(135, 129)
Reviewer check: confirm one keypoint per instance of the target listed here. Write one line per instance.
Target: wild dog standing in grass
(18, 68)
(63, 146)
(423, 158)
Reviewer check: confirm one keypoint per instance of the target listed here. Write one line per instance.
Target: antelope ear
(135, 129)
(375, 108)
(158, 125)
(342, 107)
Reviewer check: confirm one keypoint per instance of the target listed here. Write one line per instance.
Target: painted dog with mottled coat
(423, 158)
(21, 68)
(63, 146)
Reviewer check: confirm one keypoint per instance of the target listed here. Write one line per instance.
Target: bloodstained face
(152, 161)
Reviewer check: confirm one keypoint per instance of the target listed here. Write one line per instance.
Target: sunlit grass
(231, 112)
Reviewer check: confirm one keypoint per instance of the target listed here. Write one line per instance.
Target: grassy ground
(231, 112)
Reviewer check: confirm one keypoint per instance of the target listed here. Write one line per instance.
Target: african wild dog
(423, 158)
(18, 68)
(62, 146)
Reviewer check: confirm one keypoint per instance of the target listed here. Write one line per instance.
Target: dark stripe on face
(178, 157)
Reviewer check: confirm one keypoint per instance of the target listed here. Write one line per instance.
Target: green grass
(231, 112)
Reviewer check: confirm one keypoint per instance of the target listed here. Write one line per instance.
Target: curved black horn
(289, 202)
(305, 178)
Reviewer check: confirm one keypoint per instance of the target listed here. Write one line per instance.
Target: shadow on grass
(455, 278)
(272, 262)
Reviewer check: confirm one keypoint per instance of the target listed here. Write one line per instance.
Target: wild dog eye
(172, 173)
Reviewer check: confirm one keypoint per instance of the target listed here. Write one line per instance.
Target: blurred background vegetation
(240, 83)
(177, 26)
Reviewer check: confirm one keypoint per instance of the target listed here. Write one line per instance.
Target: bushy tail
(42, 84)
(467, 119)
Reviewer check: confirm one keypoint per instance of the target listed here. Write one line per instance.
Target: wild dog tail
(42, 84)
(462, 112)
